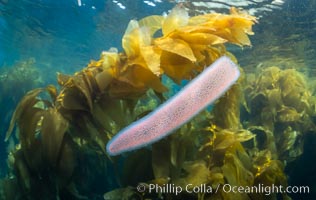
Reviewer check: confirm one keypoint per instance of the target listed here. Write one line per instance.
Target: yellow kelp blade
(201, 38)
(151, 55)
(142, 77)
(241, 37)
(176, 67)
(153, 23)
(178, 17)
(130, 40)
(233, 29)
(110, 58)
(198, 20)
(134, 38)
(176, 46)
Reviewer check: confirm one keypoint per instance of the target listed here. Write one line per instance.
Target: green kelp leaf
(29, 100)
(54, 126)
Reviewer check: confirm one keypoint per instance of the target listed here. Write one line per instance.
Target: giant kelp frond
(286, 106)
(95, 103)
(187, 45)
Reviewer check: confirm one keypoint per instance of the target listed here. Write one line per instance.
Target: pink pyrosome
(202, 91)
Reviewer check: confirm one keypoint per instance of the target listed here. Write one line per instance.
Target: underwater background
(261, 132)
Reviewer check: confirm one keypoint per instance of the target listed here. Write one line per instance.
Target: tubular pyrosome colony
(202, 91)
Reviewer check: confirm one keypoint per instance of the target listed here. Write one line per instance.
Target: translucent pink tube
(202, 91)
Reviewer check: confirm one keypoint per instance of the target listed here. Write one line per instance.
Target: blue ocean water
(63, 35)
(42, 37)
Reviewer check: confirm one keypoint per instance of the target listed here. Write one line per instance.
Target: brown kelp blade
(53, 129)
(28, 100)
